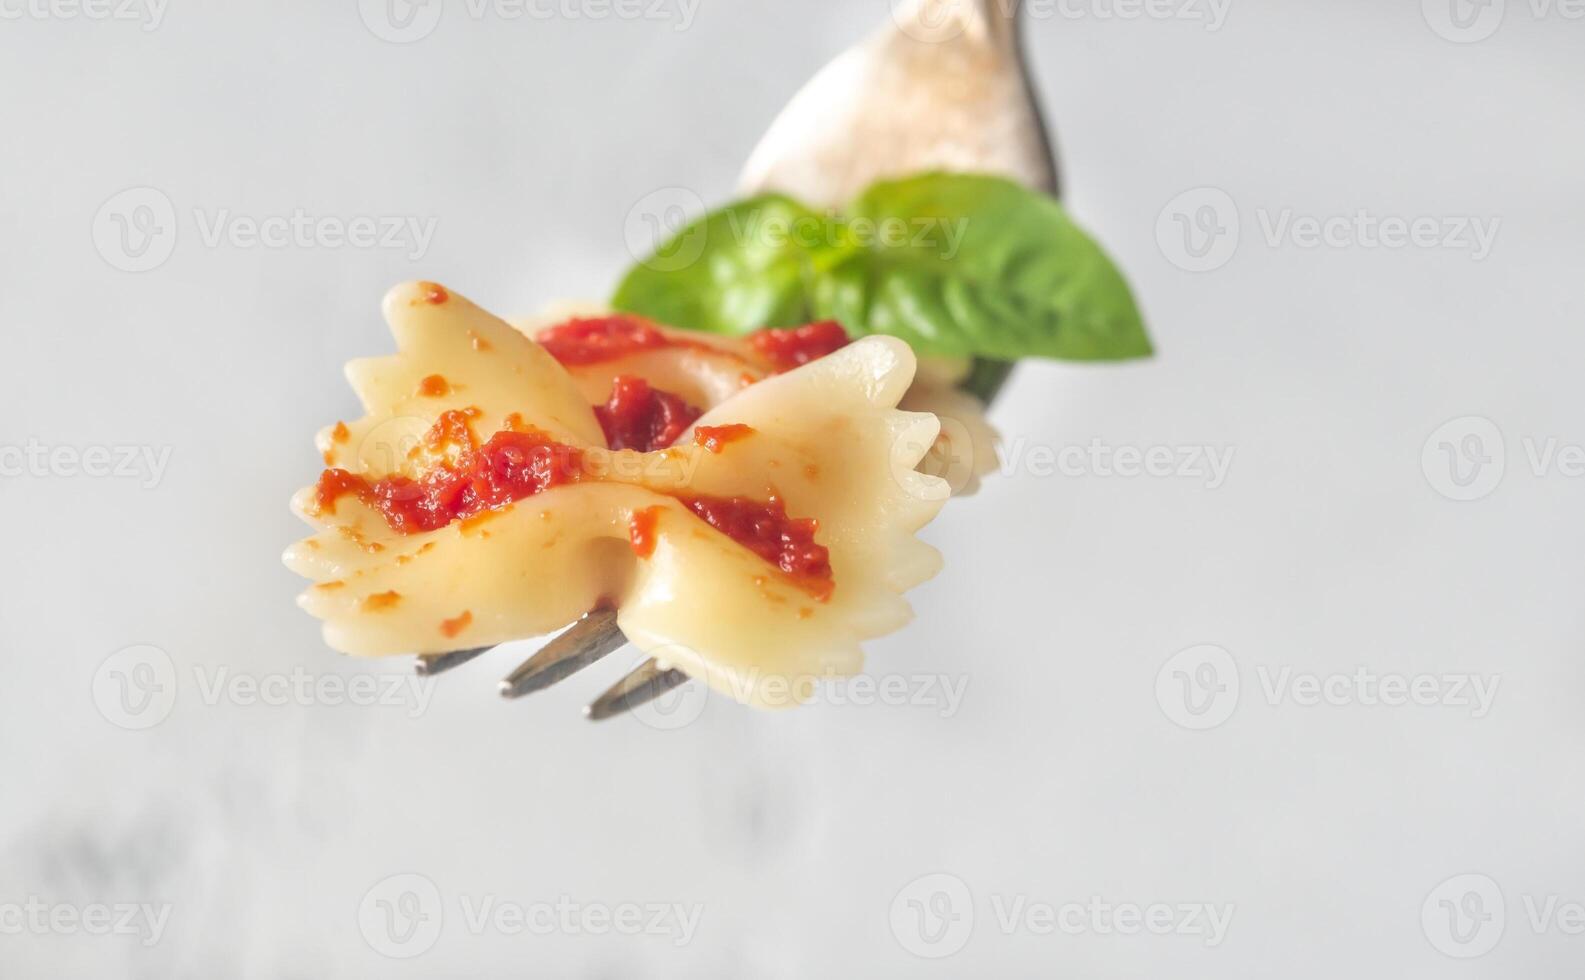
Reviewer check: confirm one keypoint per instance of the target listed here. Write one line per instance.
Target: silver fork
(943, 86)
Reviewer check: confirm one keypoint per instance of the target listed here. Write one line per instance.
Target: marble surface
(1050, 788)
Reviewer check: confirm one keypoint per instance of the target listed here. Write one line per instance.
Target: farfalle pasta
(600, 349)
(480, 500)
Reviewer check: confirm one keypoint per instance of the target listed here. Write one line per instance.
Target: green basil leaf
(956, 265)
(733, 271)
(991, 270)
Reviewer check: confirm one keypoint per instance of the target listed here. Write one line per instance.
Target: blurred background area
(1169, 693)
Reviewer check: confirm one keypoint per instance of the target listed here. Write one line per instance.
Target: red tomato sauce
(797, 346)
(592, 340)
(520, 462)
(451, 627)
(639, 417)
(606, 338)
(765, 529)
(641, 530)
(716, 437)
(453, 428)
(511, 466)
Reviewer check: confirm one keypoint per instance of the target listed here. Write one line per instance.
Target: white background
(1062, 777)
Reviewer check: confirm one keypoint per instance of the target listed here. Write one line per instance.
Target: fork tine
(586, 641)
(646, 683)
(430, 664)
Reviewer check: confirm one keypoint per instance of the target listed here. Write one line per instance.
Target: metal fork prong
(590, 638)
(430, 664)
(646, 683)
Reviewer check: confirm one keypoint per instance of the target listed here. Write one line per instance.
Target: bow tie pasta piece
(758, 551)
(452, 355)
(599, 347)
(827, 439)
(965, 450)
